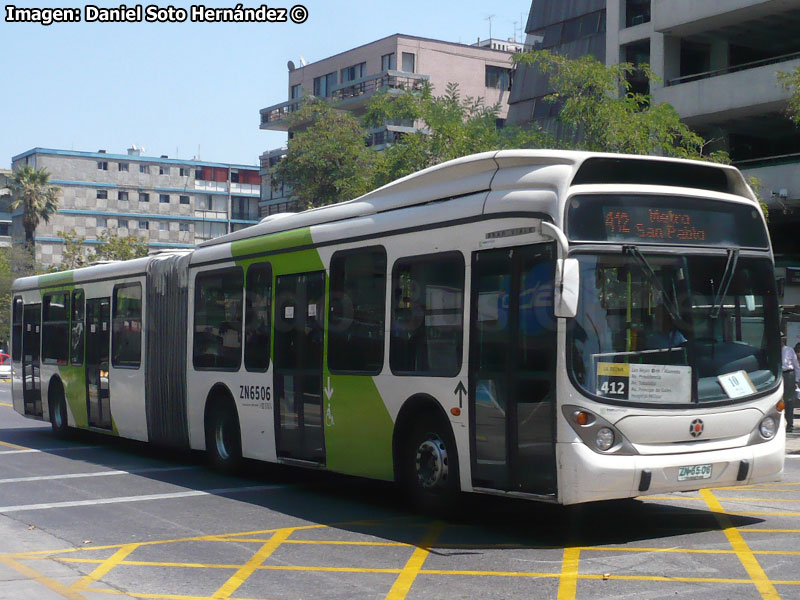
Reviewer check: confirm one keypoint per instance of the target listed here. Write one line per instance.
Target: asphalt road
(92, 517)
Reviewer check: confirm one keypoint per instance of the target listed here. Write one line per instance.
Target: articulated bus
(561, 326)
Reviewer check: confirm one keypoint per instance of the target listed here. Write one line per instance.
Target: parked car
(5, 366)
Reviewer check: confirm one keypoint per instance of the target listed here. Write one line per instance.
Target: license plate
(694, 472)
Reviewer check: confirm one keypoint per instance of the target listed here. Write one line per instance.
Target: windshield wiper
(673, 310)
(725, 282)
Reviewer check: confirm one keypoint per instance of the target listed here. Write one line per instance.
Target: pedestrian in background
(791, 377)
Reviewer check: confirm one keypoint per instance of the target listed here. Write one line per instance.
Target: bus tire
(223, 437)
(58, 409)
(429, 464)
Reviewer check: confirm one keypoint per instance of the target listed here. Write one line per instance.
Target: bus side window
(427, 315)
(55, 325)
(218, 319)
(258, 317)
(126, 326)
(76, 335)
(358, 308)
(16, 330)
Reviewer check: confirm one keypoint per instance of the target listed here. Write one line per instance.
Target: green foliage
(116, 247)
(791, 83)
(601, 119)
(15, 262)
(73, 255)
(755, 185)
(327, 161)
(31, 190)
(446, 127)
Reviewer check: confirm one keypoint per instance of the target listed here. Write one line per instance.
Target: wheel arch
(414, 408)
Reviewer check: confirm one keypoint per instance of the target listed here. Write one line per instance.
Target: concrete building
(170, 203)
(717, 65)
(5, 209)
(397, 62)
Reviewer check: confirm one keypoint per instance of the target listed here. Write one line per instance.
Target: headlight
(767, 428)
(604, 438)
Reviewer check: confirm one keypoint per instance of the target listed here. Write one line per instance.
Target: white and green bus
(561, 326)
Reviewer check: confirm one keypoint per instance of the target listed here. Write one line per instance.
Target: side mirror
(567, 286)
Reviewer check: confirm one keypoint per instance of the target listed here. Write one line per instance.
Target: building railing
(734, 69)
(351, 89)
(768, 161)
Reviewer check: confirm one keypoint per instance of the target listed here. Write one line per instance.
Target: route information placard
(657, 384)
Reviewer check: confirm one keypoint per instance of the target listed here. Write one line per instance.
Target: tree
(791, 83)
(115, 247)
(600, 118)
(328, 160)
(15, 262)
(447, 127)
(31, 190)
(73, 255)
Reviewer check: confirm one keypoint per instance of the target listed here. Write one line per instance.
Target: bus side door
(31, 359)
(98, 326)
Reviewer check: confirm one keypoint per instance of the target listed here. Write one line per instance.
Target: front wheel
(223, 439)
(430, 465)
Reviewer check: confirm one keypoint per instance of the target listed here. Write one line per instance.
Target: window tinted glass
(126, 327)
(358, 305)
(16, 333)
(55, 324)
(76, 337)
(218, 319)
(258, 317)
(427, 315)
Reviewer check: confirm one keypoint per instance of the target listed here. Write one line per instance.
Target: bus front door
(31, 359)
(299, 330)
(98, 328)
(512, 369)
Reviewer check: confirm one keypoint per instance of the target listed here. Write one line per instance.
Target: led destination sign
(660, 219)
(650, 224)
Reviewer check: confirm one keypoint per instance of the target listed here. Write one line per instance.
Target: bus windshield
(673, 329)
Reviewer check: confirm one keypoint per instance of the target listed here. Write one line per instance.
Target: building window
(163, 226)
(5, 228)
(637, 12)
(184, 172)
(100, 221)
(122, 223)
(144, 169)
(183, 227)
(388, 62)
(258, 308)
(198, 174)
(498, 77)
(218, 319)
(144, 197)
(122, 167)
(102, 194)
(184, 199)
(408, 62)
(144, 224)
(427, 315)
(234, 176)
(163, 170)
(126, 326)
(296, 91)
(163, 198)
(354, 72)
(358, 306)
(102, 165)
(323, 86)
(122, 195)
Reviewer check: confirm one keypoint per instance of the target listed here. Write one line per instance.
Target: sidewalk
(793, 439)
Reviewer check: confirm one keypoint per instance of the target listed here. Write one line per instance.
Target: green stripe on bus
(60, 278)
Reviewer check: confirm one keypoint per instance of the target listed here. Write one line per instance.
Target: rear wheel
(223, 438)
(58, 411)
(430, 464)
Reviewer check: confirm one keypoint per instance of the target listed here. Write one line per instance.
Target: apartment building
(716, 63)
(5, 209)
(170, 203)
(349, 79)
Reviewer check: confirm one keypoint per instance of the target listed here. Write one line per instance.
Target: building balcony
(352, 95)
(733, 92)
(688, 17)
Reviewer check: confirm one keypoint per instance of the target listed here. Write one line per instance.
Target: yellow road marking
(726, 499)
(238, 578)
(51, 584)
(15, 446)
(156, 596)
(105, 567)
(405, 580)
(756, 530)
(764, 514)
(748, 560)
(6, 404)
(568, 585)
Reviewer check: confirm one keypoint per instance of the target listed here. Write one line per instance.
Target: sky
(195, 89)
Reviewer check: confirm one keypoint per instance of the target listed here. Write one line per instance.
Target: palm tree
(31, 190)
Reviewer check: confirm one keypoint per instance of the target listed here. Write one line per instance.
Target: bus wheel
(223, 439)
(58, 411)
(431, 465)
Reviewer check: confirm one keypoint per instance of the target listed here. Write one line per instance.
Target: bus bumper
(587, 476)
